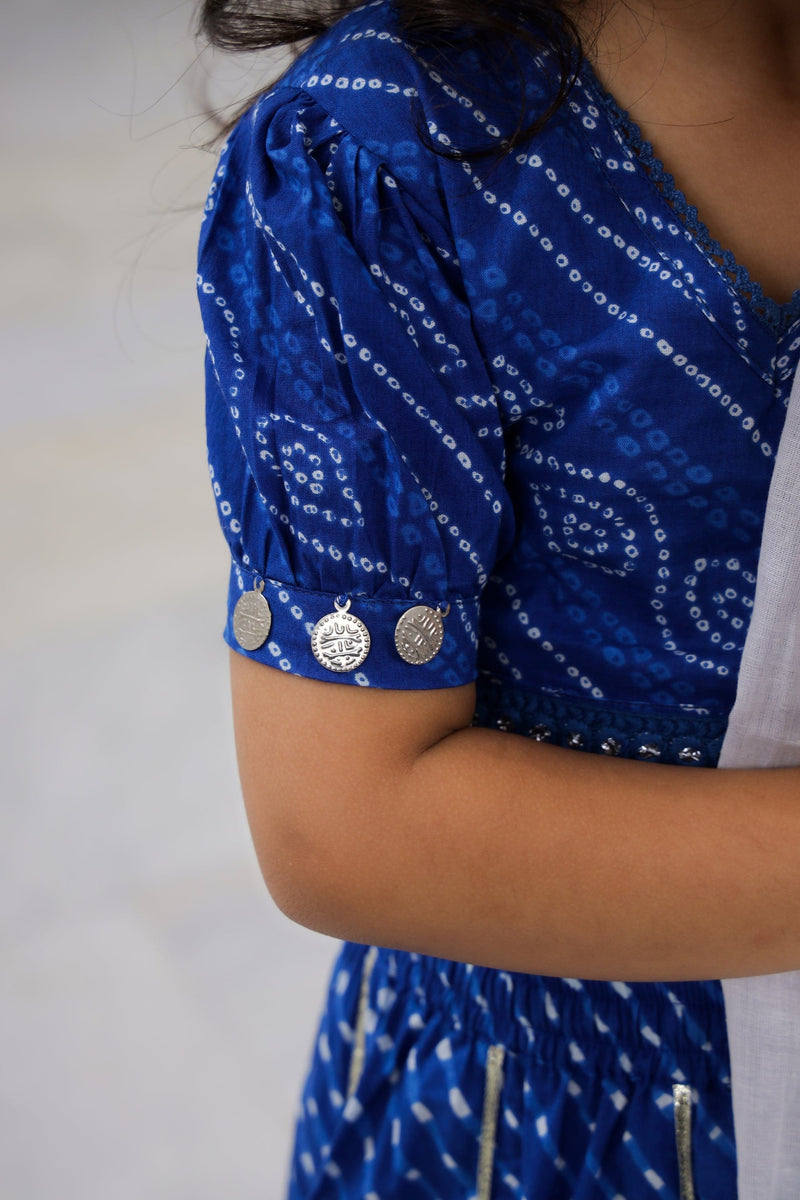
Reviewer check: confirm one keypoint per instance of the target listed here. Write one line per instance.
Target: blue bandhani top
(533, 390)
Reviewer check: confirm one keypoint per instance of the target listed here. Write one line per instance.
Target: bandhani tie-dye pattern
(586, 1103)
(537, 392)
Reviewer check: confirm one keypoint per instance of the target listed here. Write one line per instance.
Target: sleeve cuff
(296, 611)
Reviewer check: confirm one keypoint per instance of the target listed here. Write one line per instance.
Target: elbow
(285, 855)
(326, 773)
(308, 865)
(296, 884)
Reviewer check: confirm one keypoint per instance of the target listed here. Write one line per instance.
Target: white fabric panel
(764, 731)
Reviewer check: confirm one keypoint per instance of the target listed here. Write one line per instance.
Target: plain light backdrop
(156, 1012)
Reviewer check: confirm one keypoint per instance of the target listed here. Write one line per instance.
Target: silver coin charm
(419, 634)
(252, 618)
(339, 641)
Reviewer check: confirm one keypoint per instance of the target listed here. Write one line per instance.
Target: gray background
(156, 1012)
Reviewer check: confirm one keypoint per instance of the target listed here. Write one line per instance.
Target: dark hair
(435, 25)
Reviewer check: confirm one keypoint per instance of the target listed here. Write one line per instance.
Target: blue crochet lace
(779, 318)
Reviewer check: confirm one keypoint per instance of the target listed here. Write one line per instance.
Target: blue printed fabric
(586, 1102)
(535, 392)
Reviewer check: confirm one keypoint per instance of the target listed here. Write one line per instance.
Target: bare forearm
(575, 865)
(489, 848)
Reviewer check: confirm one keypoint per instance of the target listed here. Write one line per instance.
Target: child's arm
(381, 817)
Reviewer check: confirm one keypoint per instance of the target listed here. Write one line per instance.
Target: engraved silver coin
(419, 634)
(252, 619)
(339, 641)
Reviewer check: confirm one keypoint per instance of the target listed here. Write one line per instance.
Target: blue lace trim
(779, 318)
(680, 737)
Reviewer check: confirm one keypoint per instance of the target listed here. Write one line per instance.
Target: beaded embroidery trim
(686, 738)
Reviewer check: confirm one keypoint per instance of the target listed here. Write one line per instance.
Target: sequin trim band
(360, 1038)
(682, 1096)
(495, 1059)
(685, 738)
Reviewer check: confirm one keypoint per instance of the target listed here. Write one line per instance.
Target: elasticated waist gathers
(468, 1081)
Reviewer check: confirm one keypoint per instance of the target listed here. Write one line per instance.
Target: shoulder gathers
(354, 441)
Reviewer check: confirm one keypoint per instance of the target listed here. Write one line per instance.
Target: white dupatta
(763, 1013)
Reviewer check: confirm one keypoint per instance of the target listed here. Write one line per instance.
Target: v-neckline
(777, 317)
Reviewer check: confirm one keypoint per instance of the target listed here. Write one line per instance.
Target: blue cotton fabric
(532, 390)
(535, 391)
(586, 1105)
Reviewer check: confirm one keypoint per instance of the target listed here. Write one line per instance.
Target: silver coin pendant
(339, 641)
(419, 634)
(252, 618)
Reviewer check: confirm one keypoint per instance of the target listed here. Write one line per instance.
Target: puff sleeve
(355, 446)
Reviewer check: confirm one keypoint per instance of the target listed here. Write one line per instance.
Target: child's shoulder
(386, 88)
(368, 75)
(368, 43)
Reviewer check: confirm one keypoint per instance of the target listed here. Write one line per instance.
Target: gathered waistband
(636, 1030)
